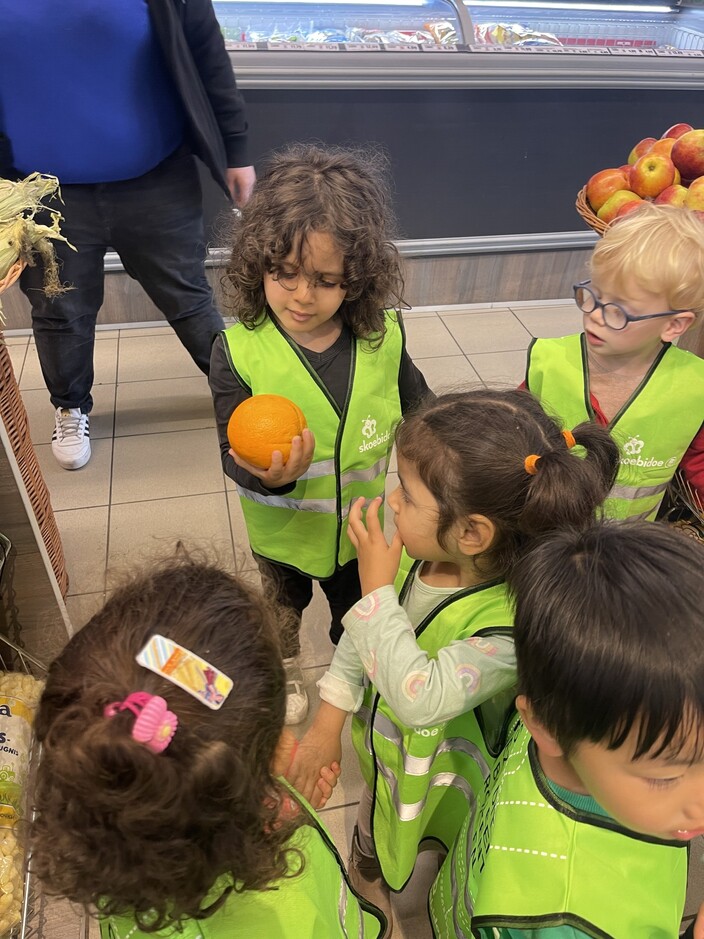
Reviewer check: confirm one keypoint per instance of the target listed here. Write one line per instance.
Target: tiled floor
(155, 477)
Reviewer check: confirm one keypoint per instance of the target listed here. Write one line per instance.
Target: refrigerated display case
(488, 142)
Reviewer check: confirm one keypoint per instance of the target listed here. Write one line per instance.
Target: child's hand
(316, 761)
(280, 473)
(378, 560)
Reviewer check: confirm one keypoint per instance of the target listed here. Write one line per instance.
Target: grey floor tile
(144, 531)
(104, 364)
(60, 920)
(501, 369)
(550, 321)
(493, 331)
(427, 337)
(161, 466)
(448, 373)
(84, 534)
(40, 412)
(340, 821)
(16, 337)
(82, 607)
(143, 358)
(102, 332)
(169, 404)
(316, 648)
(243, 552)
(134, 332)
(459, 310)
(76, 489)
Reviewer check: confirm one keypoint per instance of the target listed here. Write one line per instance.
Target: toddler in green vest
(159, 804)
(583, 826)
(482, 475)
(315, 285)
(623, 371)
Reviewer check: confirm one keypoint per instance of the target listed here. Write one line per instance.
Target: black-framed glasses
(615, 317)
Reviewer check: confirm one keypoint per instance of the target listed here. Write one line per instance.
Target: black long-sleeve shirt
(333, 369)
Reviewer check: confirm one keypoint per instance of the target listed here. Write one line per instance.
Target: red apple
(640, 149)
(607, 213)
(627, 208)
(688, 154)
(663, 146)
(673, 195)
(695, 195)
(651, 174)
(603, 185)
(677, 130)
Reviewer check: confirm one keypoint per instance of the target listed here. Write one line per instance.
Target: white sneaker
(70, 442)
(296, 696)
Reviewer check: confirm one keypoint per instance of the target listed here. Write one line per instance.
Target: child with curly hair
(160, 808)
(315, 284)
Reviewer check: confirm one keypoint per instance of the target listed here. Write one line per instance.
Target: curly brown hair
(127, 831)
(337, 191)
(469, 449)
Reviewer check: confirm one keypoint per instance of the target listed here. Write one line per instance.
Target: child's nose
(304, 290)
(393, 499)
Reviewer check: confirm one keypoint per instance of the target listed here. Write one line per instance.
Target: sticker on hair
(186, 670)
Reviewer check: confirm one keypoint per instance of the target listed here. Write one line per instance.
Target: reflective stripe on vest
(526, 858)
(306, 529)
(651, 440)
(424, 780)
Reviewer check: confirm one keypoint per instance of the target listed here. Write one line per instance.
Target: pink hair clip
(155, 725)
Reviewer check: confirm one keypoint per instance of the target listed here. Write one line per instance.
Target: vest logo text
(369, 431)
(633, 447)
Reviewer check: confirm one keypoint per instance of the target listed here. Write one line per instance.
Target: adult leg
(343, 590)
(64, 326)
(156, 226)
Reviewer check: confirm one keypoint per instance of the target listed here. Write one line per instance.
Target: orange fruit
(262, 424)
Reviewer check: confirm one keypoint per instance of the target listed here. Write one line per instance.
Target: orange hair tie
(530, 464)
(569, 438)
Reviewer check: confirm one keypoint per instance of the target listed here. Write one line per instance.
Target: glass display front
(291, 22)
(644, 26)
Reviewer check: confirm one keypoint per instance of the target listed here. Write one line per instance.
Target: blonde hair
(661, 249)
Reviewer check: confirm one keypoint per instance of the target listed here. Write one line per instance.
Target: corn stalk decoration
(21, 237)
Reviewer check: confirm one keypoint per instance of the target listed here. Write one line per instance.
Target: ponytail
(567, 488)
(498, 454)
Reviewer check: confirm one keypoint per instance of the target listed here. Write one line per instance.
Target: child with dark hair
(624, 371)
(315, 284)
(482, 475)
(158, 801)
(582, 827)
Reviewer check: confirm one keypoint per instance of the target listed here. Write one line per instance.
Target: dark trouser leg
(343, 591)
(291, 590)
(64, 327)
(157, 229)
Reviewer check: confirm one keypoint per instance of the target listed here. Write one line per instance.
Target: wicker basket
(14, 417)
(585, 211)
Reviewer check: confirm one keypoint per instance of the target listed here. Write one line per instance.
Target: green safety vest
(307, 528)
(319, 902)
(652, 438)
(528, 860)
(424, 780)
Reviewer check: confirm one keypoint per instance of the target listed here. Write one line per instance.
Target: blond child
(623, 371)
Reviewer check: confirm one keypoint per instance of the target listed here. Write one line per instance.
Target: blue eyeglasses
(615, 317)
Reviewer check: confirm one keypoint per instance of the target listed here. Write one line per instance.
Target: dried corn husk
(21, 238)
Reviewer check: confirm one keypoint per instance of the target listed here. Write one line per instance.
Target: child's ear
(475, 534)
(544, 740)
(675, 326)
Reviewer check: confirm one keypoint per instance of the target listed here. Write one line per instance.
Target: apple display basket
(587, 214)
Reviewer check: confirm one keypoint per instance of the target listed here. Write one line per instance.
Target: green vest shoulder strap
(424, 779)
(527, 860)
(652, 430)
(317, 902)
(306, 528)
